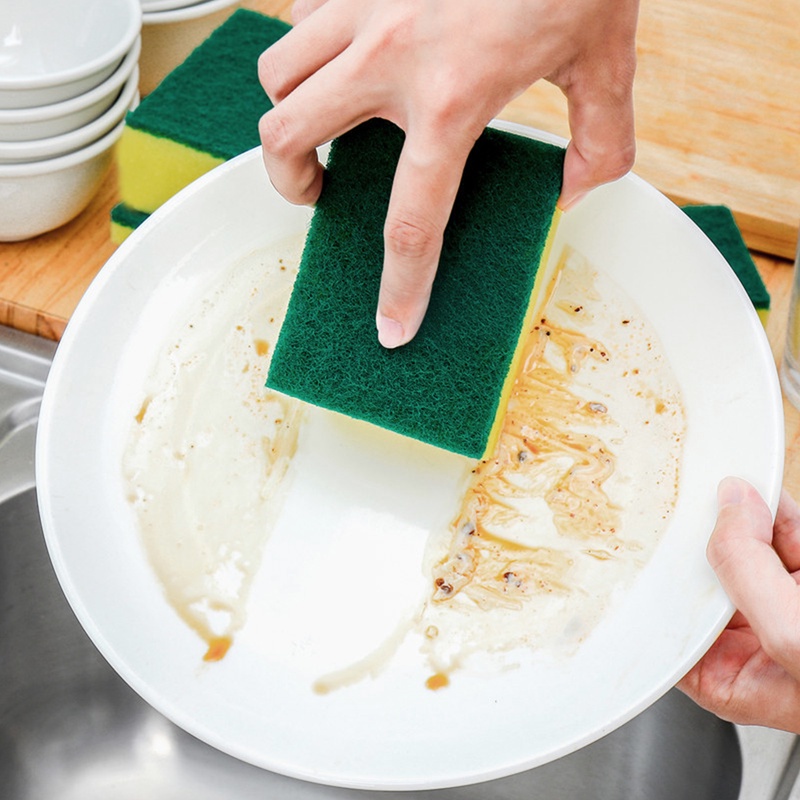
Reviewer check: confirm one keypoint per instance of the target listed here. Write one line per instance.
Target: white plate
(391, 732)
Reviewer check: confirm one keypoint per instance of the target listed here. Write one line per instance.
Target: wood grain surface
(717, 98)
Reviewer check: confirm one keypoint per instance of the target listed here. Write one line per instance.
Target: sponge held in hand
(449, 385)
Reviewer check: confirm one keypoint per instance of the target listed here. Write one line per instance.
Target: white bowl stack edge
(69, 73)
(171, 29)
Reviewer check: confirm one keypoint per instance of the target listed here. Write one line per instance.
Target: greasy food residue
(208, 434)
(542, 537)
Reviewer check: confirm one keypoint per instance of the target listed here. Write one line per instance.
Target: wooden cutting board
(717, 98)
(718, 121)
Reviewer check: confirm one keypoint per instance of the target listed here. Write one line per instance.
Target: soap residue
(543, 538)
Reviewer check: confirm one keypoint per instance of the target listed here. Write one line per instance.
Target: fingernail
(390, 331)
(730, 492)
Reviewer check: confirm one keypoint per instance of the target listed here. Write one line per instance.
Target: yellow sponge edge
(537, 299)
(151, 169)
(119, 233)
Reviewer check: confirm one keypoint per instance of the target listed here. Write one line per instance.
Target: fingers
(296, 174)
(601, 119)
(288, 141)
(303, 50)
(751, 572)
(425, 185)
(290, 136)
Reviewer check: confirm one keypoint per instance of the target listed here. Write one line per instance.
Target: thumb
(603, 145)
(743, 521)
(751, 572)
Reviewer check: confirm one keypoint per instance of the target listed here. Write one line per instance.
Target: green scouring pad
(449, 386)
(124, 220)
(203, 113)
(719, 224)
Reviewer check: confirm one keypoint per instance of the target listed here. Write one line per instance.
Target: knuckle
(610, 159)
(411, 238)
(606, 165)
(276, 138)
(452, 109)
(309, 185)
(779, 635)
(397, 28)
(619, 162)
(271, 76)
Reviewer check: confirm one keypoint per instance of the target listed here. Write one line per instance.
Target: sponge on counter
(203, 113)
(449, 386)
(719, 224)
(124, 220)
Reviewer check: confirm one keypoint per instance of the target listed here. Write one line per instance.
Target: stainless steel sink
(71, 729)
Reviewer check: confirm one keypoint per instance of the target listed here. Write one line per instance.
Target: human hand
(441, 71)
(751, 674)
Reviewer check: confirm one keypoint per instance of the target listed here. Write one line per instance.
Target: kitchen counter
(717, 116)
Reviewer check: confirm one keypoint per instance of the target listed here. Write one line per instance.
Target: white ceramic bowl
(63, 50)
(41, 196)
(168, 37)
(54, 146)
(44, 122)
(166, 5)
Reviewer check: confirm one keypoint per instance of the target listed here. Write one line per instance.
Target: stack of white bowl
(171, 29)
(68, 76)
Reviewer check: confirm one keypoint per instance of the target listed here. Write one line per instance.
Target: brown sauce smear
(542, 433)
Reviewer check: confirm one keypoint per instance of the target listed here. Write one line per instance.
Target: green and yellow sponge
(125, 220)
(449, 386)
(203, 113)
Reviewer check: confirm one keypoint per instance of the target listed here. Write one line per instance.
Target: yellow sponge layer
(535, 304)
(205, 112)
(119, 233)
(170, 166)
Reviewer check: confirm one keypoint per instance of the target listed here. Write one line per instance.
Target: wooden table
(716, 80)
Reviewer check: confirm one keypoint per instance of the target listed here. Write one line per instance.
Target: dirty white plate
(390, 731)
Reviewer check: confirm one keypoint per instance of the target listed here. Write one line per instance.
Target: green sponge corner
(719, 225)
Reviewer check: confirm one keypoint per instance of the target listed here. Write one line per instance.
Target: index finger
(425, 184)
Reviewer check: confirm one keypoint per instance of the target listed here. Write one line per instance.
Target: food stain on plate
(523, 551)
(579, 490)
(208, 453)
